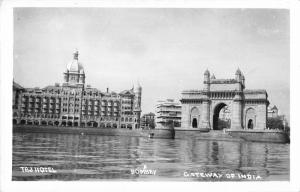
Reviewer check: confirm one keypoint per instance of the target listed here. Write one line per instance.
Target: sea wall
(80, 130)
(261, 135)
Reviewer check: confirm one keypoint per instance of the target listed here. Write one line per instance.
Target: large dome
(75, 65)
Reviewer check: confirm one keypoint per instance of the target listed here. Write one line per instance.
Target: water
(90, 157)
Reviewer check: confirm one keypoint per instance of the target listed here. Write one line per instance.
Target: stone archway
(195, 117)
(194, 123)
(23, 122)
(129, 126)
(64, 123)
(95, 124)
(102, 125)
(56, 123)
(250, 118)
(250, 124)
(36, 122)
(220, 123)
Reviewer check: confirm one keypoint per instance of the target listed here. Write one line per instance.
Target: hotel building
(75, 104)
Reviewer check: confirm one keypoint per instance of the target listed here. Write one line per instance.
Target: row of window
(38, 100)
(38, 115)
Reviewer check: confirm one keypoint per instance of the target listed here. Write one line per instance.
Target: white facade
(167, 110)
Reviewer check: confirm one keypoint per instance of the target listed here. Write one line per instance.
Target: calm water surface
(89, 157)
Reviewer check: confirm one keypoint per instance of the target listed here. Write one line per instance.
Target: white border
(6, 102)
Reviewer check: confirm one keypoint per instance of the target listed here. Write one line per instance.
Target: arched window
(250, 118)
(195, 117)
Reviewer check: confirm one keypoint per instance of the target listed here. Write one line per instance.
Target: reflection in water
(77, 157)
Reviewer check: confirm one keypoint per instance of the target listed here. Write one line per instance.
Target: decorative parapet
(193, 94)
(223, 81)
(259, 94)
(255, 91)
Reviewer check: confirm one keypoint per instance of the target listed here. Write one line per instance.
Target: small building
(148, 121)
(168, 111)
(272, 112)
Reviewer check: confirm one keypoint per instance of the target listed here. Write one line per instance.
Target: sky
(166, 50)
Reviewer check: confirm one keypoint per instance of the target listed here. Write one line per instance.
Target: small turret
(243, 80)
(213, 76)
(239, 78)
(137, 103)
(238, 75)
(137, 87)
(206, 75)
(206, 80)
(138, 95)
(75, 55)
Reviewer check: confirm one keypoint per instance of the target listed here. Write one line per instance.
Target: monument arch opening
(221, 117)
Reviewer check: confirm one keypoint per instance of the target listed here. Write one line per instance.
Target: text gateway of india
(74, 104)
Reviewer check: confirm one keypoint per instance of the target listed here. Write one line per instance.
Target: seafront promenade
(212, 135)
